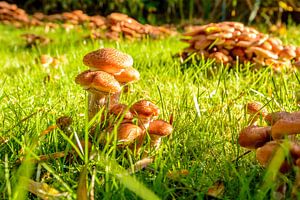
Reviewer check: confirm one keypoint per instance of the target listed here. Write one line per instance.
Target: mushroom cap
(145, 109)
(255, 107)
(128, 75)
(128, 133)
(272, 118)
(108, 59)
(287, 52)
(121, 110)
(160, 128)
(98, 81)
(285, 127)
(264, 154)
(253, 137)
(263, 52)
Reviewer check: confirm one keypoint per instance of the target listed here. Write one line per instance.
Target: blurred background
(176, 11)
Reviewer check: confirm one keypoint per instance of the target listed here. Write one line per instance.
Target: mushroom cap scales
(109, 60)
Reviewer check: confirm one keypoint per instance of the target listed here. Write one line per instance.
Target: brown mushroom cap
(160, 128)
(128, 133)
(145, 109)
(253, 137)
(264, 154)
(128, 75)
(272, 118)
(263, 52)
(121, 110)
(285, 127)
(108, 59)
(98, 81)
(256, 108)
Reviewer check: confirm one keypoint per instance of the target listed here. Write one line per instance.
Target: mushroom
(145, 111)
(128, 133)
(288, 53)
(285, 127)
(109, 60)
(127, 76)
(253, 136)
(121, 110)
(265, 153)
(263, 52)
(273, 117)
(157, 130)
(255, 109)
(100, 86)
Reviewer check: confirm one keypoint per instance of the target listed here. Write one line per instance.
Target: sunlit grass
(206, 100)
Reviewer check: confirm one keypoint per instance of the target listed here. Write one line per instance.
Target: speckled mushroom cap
(160, 128)
(98, 81)
(109, 60)
(128, 75)
(145, 109)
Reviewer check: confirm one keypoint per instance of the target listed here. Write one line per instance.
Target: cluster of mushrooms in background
(266, 140)
(232, 42)
(111, 71)
(115, 26)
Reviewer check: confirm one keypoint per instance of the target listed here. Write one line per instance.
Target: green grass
(207, 102)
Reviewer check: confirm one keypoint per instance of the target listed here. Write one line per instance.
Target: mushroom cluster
(115, 26)
(11, 14)
(231, 42)
(121, 25)
(136, 121)
(110, 70)
(266, 140)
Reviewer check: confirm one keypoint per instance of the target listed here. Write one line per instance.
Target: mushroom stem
(96, 101)
(155, 141)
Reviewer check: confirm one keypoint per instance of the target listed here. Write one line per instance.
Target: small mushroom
(255, 109)
(145, 111)
(128, 133)
(157, 130)
(100, 86)
(108, 59)
(121, 110)
(253, 136)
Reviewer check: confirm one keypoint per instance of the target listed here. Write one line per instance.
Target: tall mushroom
(104, 64)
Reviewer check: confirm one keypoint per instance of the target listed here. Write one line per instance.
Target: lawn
(206, 100)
